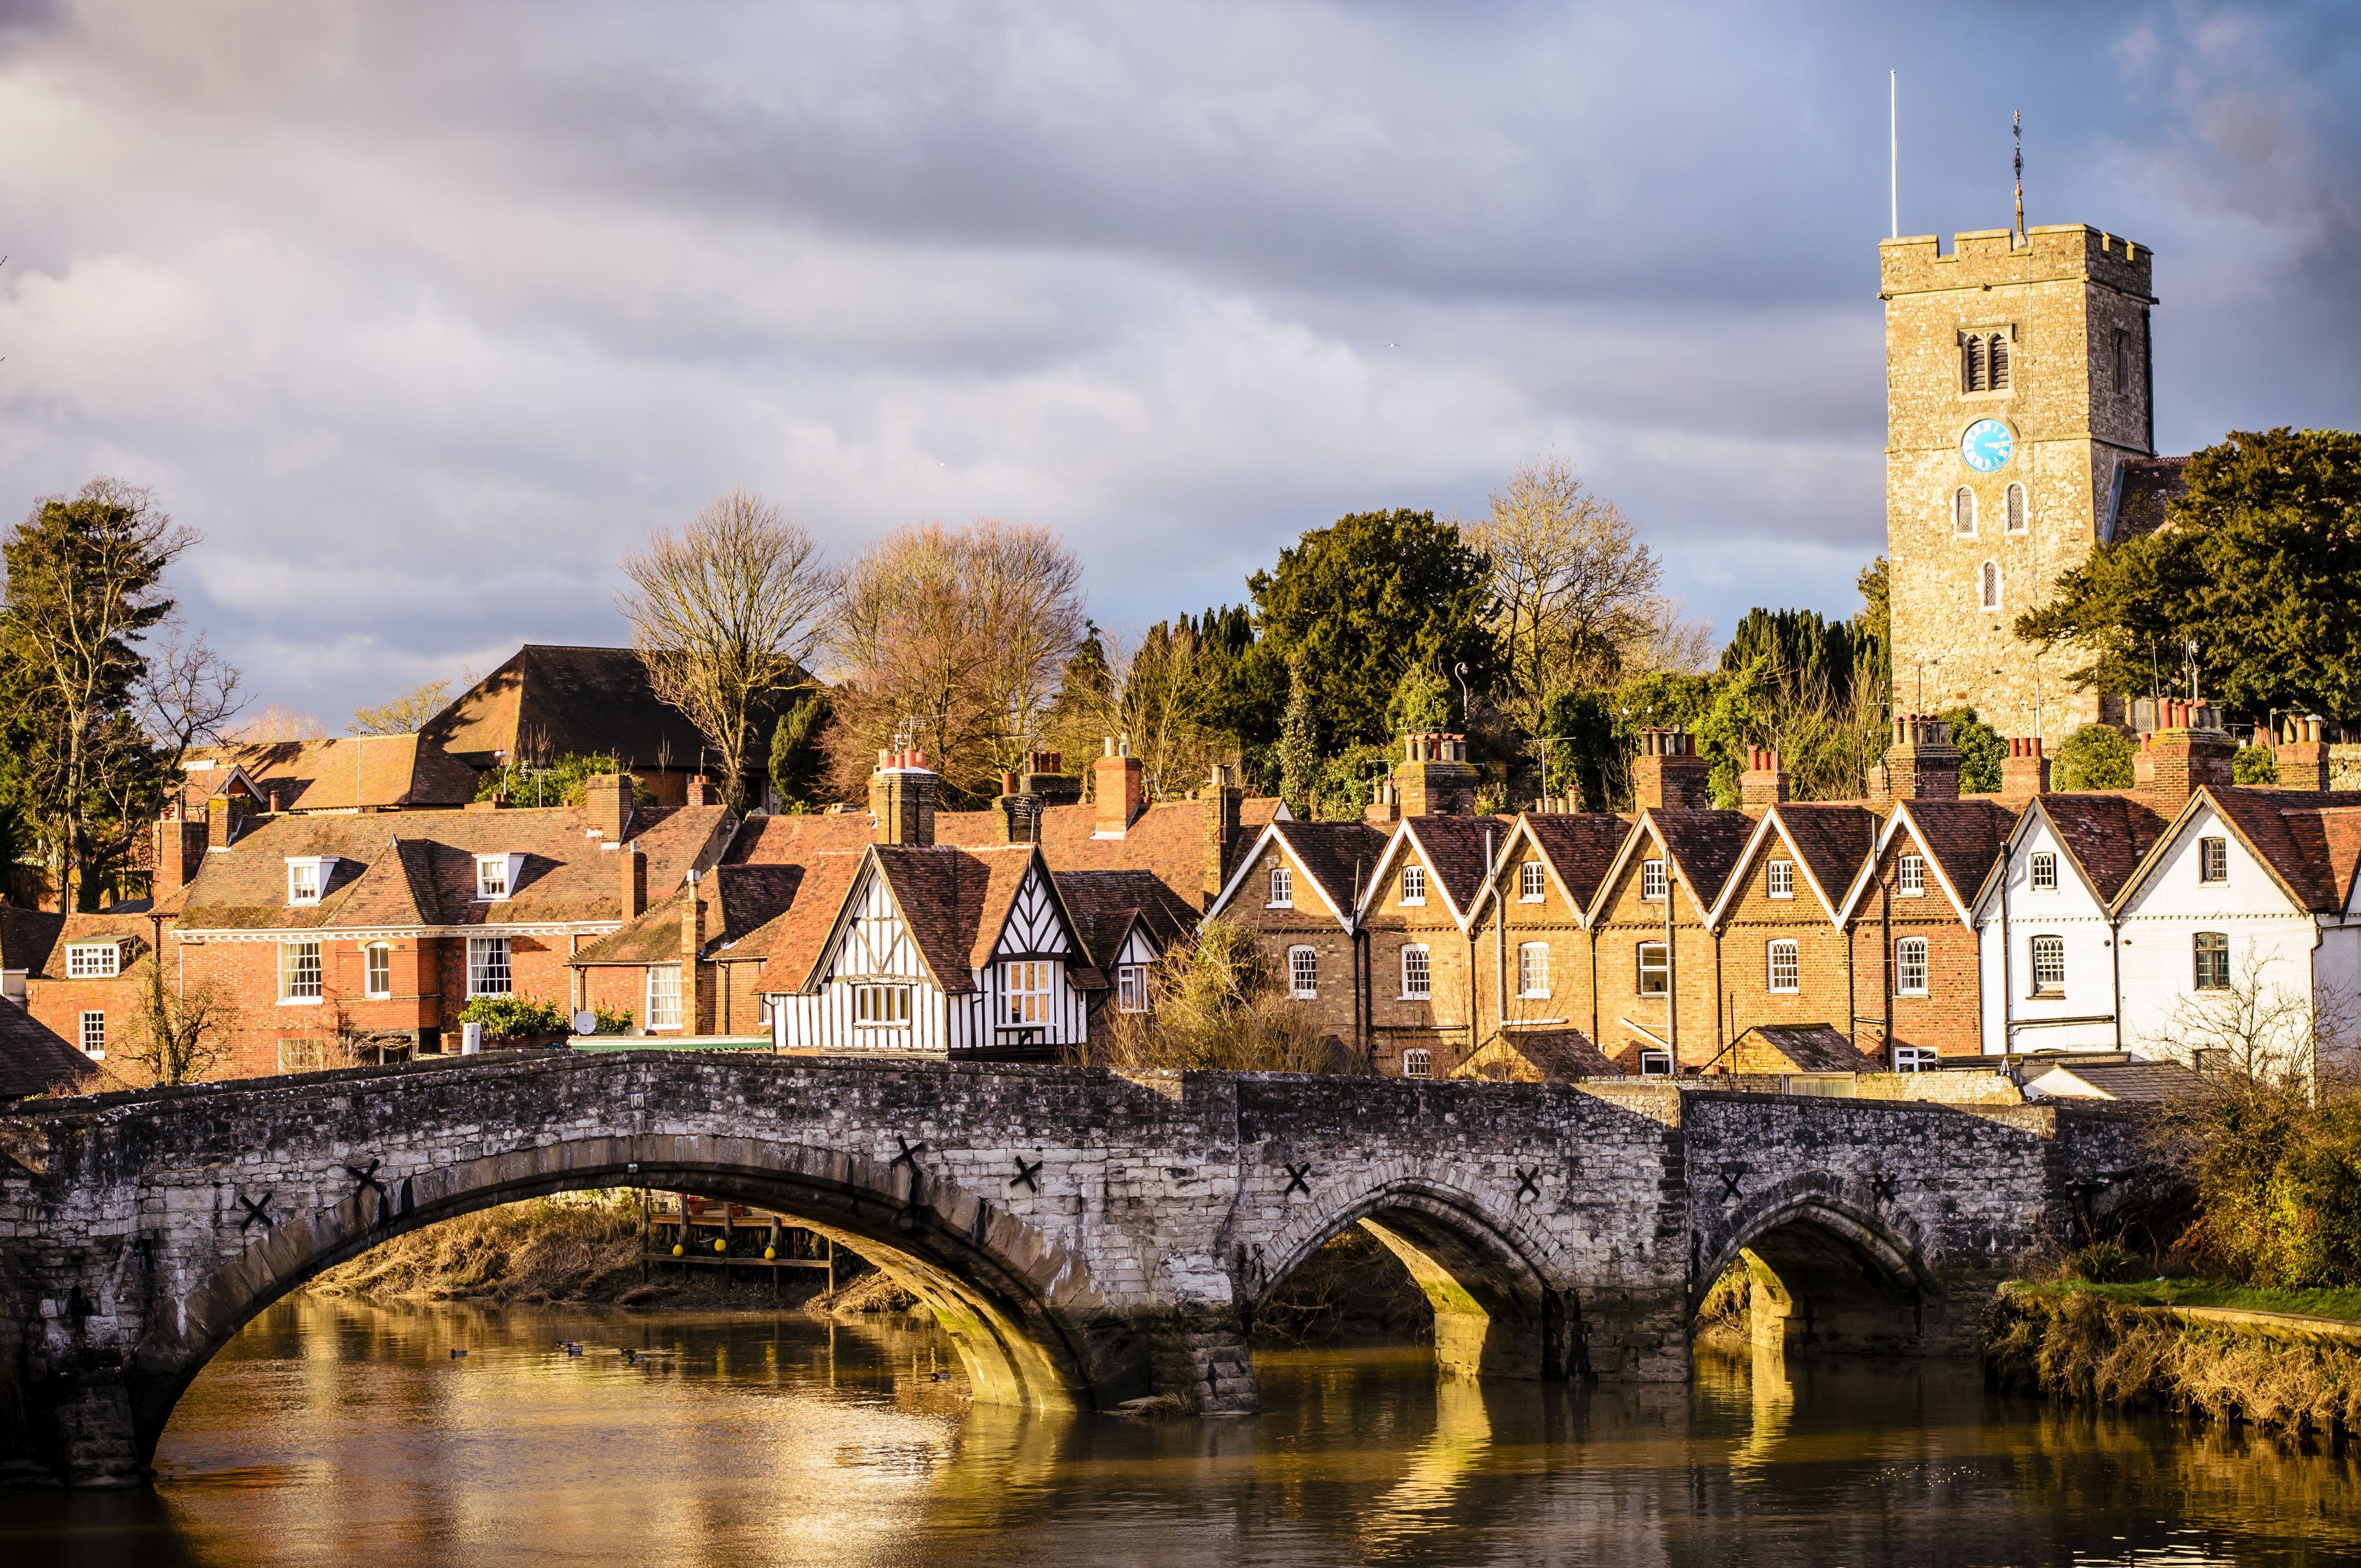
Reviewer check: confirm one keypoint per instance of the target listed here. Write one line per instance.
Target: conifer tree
(1299, 745)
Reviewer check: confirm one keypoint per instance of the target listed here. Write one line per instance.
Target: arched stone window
(1963, 511)
(1988, 585)
(1973, 372)
(1998, 354)
(2018, 513)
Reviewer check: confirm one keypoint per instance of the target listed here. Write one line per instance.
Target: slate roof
(336, 775)
(1801, 1047)
(2106, 831)
(1579, 846)
(34, 1059)
(2312, 840)
(551, 699)
(419, 868)
(1963, 836)
(1538, 1055)
(1461, 850)
(2127, 1078)
(2144, 488)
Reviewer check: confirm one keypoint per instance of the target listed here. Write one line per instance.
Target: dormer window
(307, 878)
(93, 960)
(496, 877)
(1530, 888)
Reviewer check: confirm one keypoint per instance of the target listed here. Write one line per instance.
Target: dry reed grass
(575, 1247)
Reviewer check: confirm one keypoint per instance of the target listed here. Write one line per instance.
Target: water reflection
(332, 1432)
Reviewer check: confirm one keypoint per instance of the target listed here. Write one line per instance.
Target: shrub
(563, 780)
(1216, 1002)
(516, 1018)
(2095, 757)
(2105, 1262)
(2254, 765)
(1981, 750)
(610, 1020)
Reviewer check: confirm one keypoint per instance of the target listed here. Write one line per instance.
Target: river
(337, 1432)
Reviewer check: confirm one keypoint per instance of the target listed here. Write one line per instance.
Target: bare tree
(1670, 641)
(406, 713)
(181, 1035)
(954, 641)
(1157, 693)
(727, 613)
(1573, 583)
(2256, 1031)
(274, 723)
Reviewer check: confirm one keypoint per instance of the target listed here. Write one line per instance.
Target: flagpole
(1893, 148)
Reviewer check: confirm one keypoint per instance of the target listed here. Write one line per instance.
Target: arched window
(1785, 969)
(1417, 1062)
(1282, 888)
(1963, 511)
(1988, 585)
(1910, 967)
(1998, 354)
(1972, 371)
(2017, 513)
(1416, 974)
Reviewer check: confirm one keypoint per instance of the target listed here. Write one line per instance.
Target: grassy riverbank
(2342, 1304)
(2086, 1343)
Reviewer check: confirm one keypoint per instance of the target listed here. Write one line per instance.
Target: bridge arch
(1487, 1276)
(1027, 1322)
(1828, 1270)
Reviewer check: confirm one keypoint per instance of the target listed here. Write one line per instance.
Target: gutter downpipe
(2007, 998)
(2115, 974)
(1672, 966)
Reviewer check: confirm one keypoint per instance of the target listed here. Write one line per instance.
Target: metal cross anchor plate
(1731, 1175)
(1026, 1173)
(1529, 1182)
(366, 1181)
(1297, 1179)
(257, 1212)
(910, 1155)
(1881, 1186)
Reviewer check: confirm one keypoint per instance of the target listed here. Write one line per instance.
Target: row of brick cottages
(1912, 925)
(1918, 924)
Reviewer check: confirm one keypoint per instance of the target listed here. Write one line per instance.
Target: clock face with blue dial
(1986, 445)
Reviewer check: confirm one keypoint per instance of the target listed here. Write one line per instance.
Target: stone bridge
(1085, 1237)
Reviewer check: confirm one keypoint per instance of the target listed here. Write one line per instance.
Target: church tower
(2016, 387)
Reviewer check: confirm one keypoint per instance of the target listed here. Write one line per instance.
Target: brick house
(1658, 995)
(1534, 941)
(80, 976)
(1911, 933)
(363, 937)
(1782, 956)
(1297, 888)
(1415, 925)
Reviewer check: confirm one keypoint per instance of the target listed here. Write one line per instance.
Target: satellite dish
(586, 1021)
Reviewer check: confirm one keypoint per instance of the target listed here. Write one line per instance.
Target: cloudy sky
(424, 312)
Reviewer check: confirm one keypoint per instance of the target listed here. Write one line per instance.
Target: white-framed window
(1783, 879)
(1417, 1062)
(1533, 969)
(487, 966)
(1910, 876)
(663, 1010)
(1530, 883)
(2043, 874)
(93, 960)
(1028, 985)
(2048, 966)
(1413, 884)
(881, 1006)
(1416, 974)
(1784, 965)
(299, 971)
(2213, 859)
(1304, 972)
(1655, 970)
(1988, 585)
(1910, 967)
(2018, 516)
(377, 969)
(1655, 1064)
(93, 1034)
(1652, 881)
(302, 881)
(2210, 953)
(1282, 888)
(491, 878)
(1131, 988)
(1913, 1059)
(1963, 512)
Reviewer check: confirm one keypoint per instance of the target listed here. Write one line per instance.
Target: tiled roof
(1105, 903)
(739, 900)
(1460, 849)
(794, 939)
(339, 775)
(552, 699)
(1336, 855)
(1963, 836)
(2144, 488)
(2133, 1080)
(1538, 1055)
(1705, 845)
(2312, 840)
(419, 868)
(1580, 847)
(1797, 1047)
(1833, 838)
(33, 1059)
(2106, 831)
(36, 940)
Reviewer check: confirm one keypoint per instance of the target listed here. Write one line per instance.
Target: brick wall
(1627, 921)
(1441, 1024)
(1308, 924)
(1946, 1017)
(1825, 983)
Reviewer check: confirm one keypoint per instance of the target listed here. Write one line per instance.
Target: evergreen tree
(2093, 757)
(1981, 750)
(1298, 746)
(1420, 704)
(798, 759)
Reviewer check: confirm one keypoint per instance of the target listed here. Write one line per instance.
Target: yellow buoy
(720, 1245)
(769, 1252)
(676, 1249)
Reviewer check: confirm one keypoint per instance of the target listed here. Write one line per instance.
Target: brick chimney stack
(1921, 763)
(2188, 751)
(1046, 781)
(1666, 772)
(2302, 755)
(1386, 809)
(702, 792)
(1223, 800)
(607, 797)
(2025, 771)
(692, 949)
(224, 820)
(902, 797)
(179, 851)
(1116, 788)
(1014, 812)
(1434, 778)
(1764, 783)
(635, 882)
